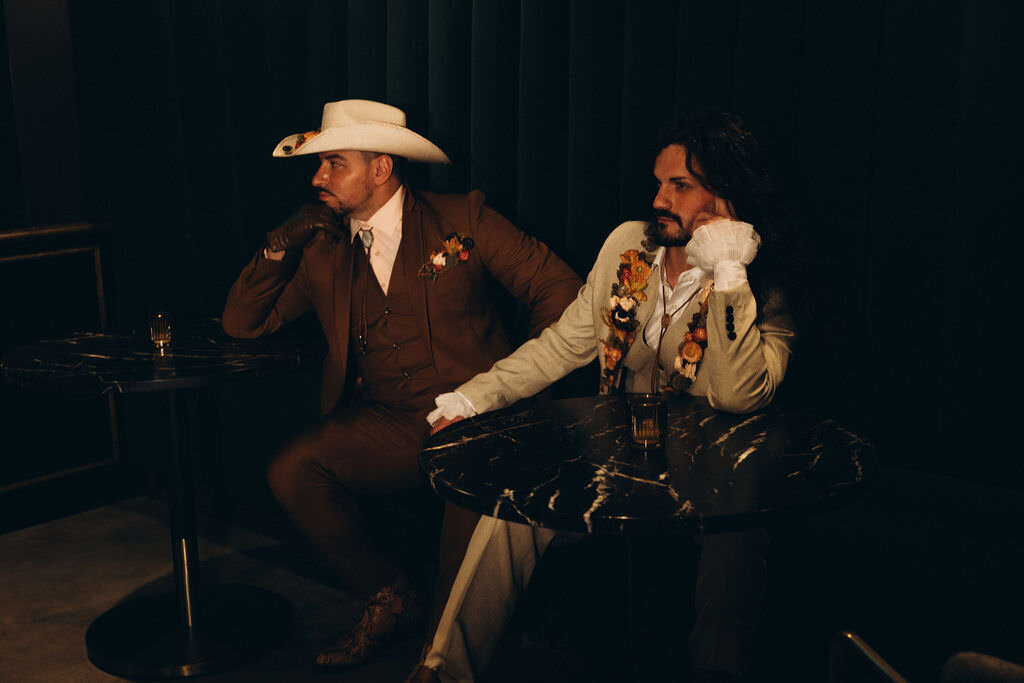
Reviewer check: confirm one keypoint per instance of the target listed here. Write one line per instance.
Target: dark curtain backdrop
(893, 125)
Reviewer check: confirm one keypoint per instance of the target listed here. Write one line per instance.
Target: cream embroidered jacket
(739, 372)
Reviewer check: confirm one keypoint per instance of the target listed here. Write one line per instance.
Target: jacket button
(730, 327)
(731, 335)
(728, 317)
(728, 310)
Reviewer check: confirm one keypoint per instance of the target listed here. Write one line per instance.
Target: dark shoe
(393, 612)
(422, 674)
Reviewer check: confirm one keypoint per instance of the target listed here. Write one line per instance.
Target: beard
(659, 234)
(333, 203)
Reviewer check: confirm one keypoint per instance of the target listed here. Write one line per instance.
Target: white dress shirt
(679, 294)
(386, 226)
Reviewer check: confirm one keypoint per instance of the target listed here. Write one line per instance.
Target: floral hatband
(455, 248)
(620, 316)
(300, 140)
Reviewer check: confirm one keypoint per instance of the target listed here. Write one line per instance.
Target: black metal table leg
(197, 629)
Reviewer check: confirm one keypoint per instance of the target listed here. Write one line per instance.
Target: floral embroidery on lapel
(455, 248)
(691, 348)
(620, 316)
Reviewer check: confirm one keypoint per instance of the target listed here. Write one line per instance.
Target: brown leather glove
(301, 226)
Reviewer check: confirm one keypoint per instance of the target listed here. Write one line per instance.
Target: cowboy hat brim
(366, 137)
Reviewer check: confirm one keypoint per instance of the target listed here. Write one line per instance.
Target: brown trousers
(358, 451)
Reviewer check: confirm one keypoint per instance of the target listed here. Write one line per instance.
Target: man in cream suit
(667, 304)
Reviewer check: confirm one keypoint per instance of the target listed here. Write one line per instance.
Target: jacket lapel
(413, 253)
(637, 356)
(341, 291)
(646, 308)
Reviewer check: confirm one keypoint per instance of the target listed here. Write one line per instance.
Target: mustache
(662, 213)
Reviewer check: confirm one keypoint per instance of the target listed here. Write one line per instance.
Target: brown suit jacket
(455, 315)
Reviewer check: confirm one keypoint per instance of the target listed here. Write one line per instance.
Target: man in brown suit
(397, 280)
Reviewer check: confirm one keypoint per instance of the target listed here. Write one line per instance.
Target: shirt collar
(690, 275)
(387, 219)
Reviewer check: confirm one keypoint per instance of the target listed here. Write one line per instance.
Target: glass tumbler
(649, 416)
(160, 330)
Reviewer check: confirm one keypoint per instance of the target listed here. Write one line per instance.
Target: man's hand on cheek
(724, 247)
(715, 210)
(301, 226)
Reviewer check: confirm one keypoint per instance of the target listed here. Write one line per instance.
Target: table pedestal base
(142, 637)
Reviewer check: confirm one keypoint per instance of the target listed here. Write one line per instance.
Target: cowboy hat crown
(362, 125)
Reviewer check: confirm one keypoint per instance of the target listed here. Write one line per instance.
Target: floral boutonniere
(691, 348)
(620, 316)
(455, 248)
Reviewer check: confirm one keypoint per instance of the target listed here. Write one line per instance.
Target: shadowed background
(890, 123)
(894, 126)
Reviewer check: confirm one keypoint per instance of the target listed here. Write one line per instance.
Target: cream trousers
(502, 557)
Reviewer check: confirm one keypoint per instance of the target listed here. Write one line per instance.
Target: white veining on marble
(732, 430)
(600, 482)
(506, 494)
(743, 456)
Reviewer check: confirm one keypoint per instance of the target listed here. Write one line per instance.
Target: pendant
(666, 320)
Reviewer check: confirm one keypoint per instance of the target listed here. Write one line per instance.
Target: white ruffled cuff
(729, 274)
(450, 406)
(723, 240)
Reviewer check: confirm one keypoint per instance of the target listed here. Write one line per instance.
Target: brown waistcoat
(389, 352)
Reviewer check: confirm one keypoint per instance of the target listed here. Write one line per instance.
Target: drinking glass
(160, 325)
(649, 415)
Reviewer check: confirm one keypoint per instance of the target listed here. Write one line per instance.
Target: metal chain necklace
(666, 320)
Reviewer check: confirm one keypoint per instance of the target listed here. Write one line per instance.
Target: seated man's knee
(294, 470)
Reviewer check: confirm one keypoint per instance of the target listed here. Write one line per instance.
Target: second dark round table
(570, 465)
(199, 628)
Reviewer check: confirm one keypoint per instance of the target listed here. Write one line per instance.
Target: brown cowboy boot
(390, 614)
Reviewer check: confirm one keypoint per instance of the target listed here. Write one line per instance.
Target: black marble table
(570, 465)
(199, 628)
(201, 355)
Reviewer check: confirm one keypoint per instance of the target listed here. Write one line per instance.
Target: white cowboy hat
(365, 126)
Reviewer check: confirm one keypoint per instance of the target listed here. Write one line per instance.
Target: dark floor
(921, 567)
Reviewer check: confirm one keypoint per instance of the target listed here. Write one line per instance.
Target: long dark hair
(732, 165)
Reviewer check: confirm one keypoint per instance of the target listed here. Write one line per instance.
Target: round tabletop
(570, 465)
(200, 354)
(151, 636)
